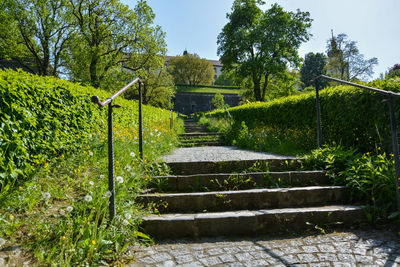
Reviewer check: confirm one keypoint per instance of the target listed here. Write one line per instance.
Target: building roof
(13, 64)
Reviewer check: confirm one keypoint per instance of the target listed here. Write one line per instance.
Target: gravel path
(217, 153)
(351, 248)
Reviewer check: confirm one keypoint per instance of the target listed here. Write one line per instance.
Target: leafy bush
(43, 118)
(60, 213)
(370, 176)
(353, 117)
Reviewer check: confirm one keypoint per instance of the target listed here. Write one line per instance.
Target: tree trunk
(94, 80)
(257, 89)
(265, 86)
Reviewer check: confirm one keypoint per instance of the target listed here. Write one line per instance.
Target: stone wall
(188, 103)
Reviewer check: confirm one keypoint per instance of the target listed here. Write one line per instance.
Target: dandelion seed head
(88, 198)
(128, 216)
(120, 179)
(69, 208)
(91, 183)
(107, 194)
(125, 222)
(90, 153)
(132, 154)
(46, 195)
(102, 176)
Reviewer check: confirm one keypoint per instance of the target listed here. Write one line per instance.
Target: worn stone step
(245, 222)
(210, 182)
(198, 139)
(202, 167)
(189, 135)
(248, 199)
(202, 143)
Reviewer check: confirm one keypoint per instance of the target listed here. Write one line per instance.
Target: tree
(109, 35)
(313, 66)
(280, 84)
(225, 79)
(40, 29)
(218, 101)
(345, 61)
(191, 69)
(259, 44)
(394, 71)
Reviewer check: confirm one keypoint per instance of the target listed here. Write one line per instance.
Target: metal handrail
(111, 179)
(393, 123)
(96, 100)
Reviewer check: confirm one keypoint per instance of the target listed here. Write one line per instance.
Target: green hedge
(42, 118)
(353, 117)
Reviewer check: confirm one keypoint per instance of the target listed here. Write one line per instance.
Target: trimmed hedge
(44, 117)
(354, 117)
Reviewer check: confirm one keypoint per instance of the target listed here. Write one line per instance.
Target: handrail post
(171, 121)
(319, 123)
(395, 148)
(111, 183)
(140, 123)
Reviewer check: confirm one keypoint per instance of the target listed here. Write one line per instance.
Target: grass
(207, 89)
(60, 214)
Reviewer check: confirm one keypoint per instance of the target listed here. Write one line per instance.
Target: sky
(374, 24)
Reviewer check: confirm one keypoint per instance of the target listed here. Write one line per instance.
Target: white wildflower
(125, 222)
(128, 216)
(90, 153)
(69, 209)
(107, 194)
(91, 183)
(88, 198)
(46, 195)
(120, 179)
(90, 135)
(102, 176)
(128, 168)
(133, 154)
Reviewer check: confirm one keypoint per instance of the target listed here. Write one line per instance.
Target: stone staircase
(244, 197)
(197, 135)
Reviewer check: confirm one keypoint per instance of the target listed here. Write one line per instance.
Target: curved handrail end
(95, 99)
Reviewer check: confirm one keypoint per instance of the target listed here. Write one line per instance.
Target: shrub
(353, 117)
(42, 118)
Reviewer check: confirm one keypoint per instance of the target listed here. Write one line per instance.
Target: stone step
(202, 182)
(245, 222)
(202, 167)
(190, 135)
(202, 143)
(247, 199)
(201, 138)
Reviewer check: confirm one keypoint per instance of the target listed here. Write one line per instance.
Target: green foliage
(225, 79)
(257, 44)
(394, 71)
(218, 101)
(353, 117)
(208, 89)
(43, 118)
(110, 34)
(57, 139)
(370, 176)
(313, 66)
(191, 69)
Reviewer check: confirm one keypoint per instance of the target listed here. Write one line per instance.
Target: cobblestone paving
(355, 248)
(216, 153)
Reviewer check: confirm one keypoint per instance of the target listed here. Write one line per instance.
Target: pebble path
(348, 248)
(217, 153)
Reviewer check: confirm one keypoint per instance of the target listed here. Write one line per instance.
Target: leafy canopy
(313, 66)
(191, 69)
(258, 44)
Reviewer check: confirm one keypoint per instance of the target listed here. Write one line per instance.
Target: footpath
(224, 206)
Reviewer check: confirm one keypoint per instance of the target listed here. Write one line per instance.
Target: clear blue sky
(374, 24)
